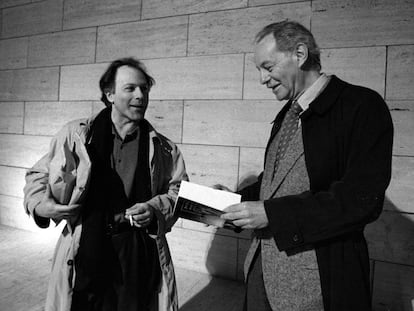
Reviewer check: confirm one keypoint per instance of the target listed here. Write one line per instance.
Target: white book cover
(204, 204)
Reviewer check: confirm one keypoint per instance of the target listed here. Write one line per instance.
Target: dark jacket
(347, 136)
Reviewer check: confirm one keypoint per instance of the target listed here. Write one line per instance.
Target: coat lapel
(293, 153)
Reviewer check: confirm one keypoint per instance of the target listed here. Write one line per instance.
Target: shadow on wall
(219, 294)
(223, 292)
(391, 246)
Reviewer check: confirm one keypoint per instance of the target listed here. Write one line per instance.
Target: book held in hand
(204, 204)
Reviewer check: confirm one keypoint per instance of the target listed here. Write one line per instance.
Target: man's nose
(138, 93)
(264, 76)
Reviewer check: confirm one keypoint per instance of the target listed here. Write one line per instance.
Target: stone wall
(207, 99)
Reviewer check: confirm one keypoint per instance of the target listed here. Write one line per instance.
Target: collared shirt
(125, 157)
(313, 91)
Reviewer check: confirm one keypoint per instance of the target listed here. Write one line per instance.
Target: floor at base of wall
(25, 262)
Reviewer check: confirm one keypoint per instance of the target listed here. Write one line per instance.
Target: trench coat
(67, 168)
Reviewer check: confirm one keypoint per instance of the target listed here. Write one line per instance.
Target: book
(204, 204)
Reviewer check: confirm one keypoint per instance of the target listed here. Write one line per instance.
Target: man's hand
(141, 213)
(247, 215)
(48, 208)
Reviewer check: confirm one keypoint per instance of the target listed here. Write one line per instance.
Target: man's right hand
(48, 208)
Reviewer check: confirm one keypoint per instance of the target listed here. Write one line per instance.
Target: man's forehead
(264, 49)
(127, 73)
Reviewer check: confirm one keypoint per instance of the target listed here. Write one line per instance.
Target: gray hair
(287, 35)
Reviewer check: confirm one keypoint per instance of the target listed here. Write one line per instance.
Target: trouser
(135, 284)
(255, 297)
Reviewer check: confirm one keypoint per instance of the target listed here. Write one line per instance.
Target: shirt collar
(313, 91)
(128, 137)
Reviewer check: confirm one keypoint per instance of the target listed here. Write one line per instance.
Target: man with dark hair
(327, 166)
(114, 180)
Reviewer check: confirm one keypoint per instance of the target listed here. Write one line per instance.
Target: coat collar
(320, 105)
(326, 98)
(155, 137)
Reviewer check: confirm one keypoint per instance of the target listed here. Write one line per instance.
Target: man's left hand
(141, 213)
(247, 215)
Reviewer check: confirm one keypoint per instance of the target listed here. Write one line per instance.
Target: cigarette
(130, 221)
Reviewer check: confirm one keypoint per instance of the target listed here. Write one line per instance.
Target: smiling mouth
(275, 87)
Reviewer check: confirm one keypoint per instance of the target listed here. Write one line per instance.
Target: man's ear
(110, 96)
(301, 53)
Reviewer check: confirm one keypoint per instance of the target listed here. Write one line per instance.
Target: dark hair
(107, 81)
(287, 35)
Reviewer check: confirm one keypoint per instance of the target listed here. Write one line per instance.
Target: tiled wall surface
(207, 99)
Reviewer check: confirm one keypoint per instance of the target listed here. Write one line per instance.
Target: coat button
(109, 229)
(295, 238)
(70, 262)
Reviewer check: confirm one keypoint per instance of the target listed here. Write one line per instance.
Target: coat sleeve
(350, 202)
(164, 203)
(37, 178)
(58, 168)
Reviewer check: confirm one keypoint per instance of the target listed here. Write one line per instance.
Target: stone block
(402, 113)
(393, 287)
(13, 215)
(62, 48)
(390, 238)
(12, 181)
(47, 118)
(9, 3)
(158, 38)
(13, 53)
(81, 82)
(204, 252)
(11, 117)
(208, 77)
(269, 2)
(167, 118)
(81, 13)
(400, 73)
(234, 31)
(21, 150)
(369, 24)
(400, 192)
(327, 5)
(29, 84)
(159, 8)
(361, 66)
(210, 165)
(33, 18)
(231, 123)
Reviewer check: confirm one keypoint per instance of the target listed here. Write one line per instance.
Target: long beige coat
(66, 167)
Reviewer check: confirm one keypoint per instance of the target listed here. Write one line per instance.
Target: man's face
(278, 70)
(130, 95)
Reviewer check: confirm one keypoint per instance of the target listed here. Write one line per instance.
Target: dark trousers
(255, 297)
(135, 286)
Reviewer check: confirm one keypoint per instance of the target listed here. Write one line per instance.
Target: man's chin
(137, 117)
(281, 93)
(280, 96)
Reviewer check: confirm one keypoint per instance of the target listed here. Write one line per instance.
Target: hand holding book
(204, 204)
